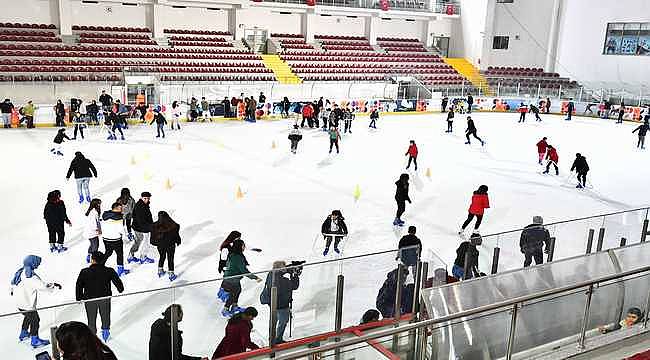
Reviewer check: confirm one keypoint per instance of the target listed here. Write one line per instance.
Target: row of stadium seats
(346, 43)
(58, 78)
(277, 35)
(196, 32)
(217, 78)
(296, 46)
(338, 37)
(40, 39)
(347, 48)
(201, 43)
(30, 62)
(197, 38)
(27, 26)
(109, 28)
(113, 36)
(130, 55)
(374, 54)
(372, 66)
(117, 41)
(27, 32)
(92, 49)
(391, 39)
(375, 70)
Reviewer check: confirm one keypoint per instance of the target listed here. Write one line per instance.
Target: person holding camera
(285, 287)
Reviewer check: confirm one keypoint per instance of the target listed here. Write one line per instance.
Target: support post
(590, 241)
(495, 260)
(601, 238)
(551, 249)
(273, 318)
(175, 345)
(513, 329)
(585, 318)
(339, 303)
(55, 348)
(398, 303)
(623, 243)
(644, 232)
(416, 291)
(466, 267)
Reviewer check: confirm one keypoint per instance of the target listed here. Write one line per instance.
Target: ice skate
(106, 334)
(132, 259)
(23, 335)
(81, 199)
(146, 260)
(38, 342)
(122, 271)
(161, 272)
(172, 276)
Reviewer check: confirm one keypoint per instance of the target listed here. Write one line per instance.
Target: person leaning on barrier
(533, 239)
(160, 341)
(409, 247)
(285, 287)
(634, 316)
(461, 254)
(385, 301)
(238, 335)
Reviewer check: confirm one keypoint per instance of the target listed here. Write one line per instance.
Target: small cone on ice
(179, 146)
(428, 174)
(273, 145)
(168, 184)
(133, 162)
(239, 194)
(147, 176)
(357, 193)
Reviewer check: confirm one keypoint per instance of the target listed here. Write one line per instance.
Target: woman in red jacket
(553, 158)
(412, 152)
(480, 202)
(542, 145)
(238, 335)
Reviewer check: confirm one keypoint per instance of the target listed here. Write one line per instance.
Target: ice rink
(195, 173)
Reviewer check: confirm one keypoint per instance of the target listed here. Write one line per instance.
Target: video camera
(295, 268)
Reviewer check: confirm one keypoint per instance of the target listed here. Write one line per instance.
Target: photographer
(285, 287)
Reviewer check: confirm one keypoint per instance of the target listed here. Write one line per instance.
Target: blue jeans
(161, 130)
(82, 185)
(282, 319)
(6, 119)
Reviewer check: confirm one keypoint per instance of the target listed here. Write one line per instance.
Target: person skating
(163, 335)
(106, 100)
(570, 107)
(160, 121)
(236, 266)
(28, 112)
(226, 108)
(374, 115)
(26, 286)
(224, 251)
(59, 112)
(334, 228)
(307, 113)
(176, 115)
(194, 111)
(83, 170)
(443, 104)
(79, 122)
(548, 105)
(523, 109)
(470, 102)
(334, 137)
(336, 116)
(467, 251)
(533, 239)
(92, 110)
(205, 109)
(285, 107)
(643, 130)
(95, 282)
(294, 136)
(552, 159)
(92, 228)
(142, 221)
(165, 237)
(115, 122)
(401, 197)
(480, 202)
(535, 110)
(348, 116)
(6, 109)
(450, 120)
(412, 153)
(410, 247)
(55, 216)
(128, 203)
(238, 335)
(542, 145)
(621, 112)
(58, 140)
(471, 130)
(582, 168)
(112, 231)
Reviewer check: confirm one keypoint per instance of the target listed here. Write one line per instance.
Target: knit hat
(145, 194)
(538, 220)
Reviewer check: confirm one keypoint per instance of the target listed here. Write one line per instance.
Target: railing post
(518, 88)
(644, 232)
(466, 267)
(416, 290)
(174, 330)
(55, 347)
(512, 332)
(539, 89)
(623, 243)
(495, 260)
(498, 89)
(273, 307)
(338, 320)
(601, 238)
(397, 310)
(585, 318)
(551, 249)
(590, 241)
(421, 334)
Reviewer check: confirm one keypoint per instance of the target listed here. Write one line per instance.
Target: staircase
(471, 73)
(281, 70)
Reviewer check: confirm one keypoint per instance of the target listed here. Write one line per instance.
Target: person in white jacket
(92, 227)
(176, 115)
(112, 226)
(25, 288)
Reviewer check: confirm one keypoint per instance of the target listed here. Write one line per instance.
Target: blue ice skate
(24, 334)
(122, 271)
(223, 295)
(38, 342)
(106, 334)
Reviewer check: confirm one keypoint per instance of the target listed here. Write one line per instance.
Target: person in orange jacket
(480, 202)
(307, 114)
(241, 109)
(412, 153)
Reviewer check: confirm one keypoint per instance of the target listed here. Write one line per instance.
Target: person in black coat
(285, 287)
(401, 197)
(226, 107)
(92, 110)
(535, 110)
(465, 248)
(450, 120)
(443, 104)
(410, 248)
(582, 168)
(58, 140)
(374, 115)
(160, 121)
(142, 221)
(95, 282)
(471, 130)
(643, 130)
(532, 241)
(570, 107)
(385, 301)
(55, 215)
(470, 102)
(106, 100)
(334, 227)
(82, 169)
(165, 236)
(621, 112)
(59, 112)
(160, 340)
(285, 106)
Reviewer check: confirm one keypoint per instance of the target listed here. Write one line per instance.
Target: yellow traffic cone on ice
(357, 193)
(428, 174)
(239, 194)
(168, 184)
(133, 162)
(147, 176)
(273, 145)
(179, 146)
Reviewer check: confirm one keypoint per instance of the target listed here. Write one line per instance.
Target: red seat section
(526, 79)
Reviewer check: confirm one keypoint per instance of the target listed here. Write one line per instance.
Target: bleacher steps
(281, 70)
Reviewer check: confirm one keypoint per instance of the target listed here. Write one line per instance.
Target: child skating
(553, 158)
(450, 120)
(334, 137)
(295, 136)
(160, 121)
(412, 153)
(401, 197)
(334, 228)
(480, 202)
(542, 145)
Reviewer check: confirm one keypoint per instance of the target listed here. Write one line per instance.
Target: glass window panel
(632, 26)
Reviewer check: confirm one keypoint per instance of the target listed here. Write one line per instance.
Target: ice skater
(552, 159)
(334, 228)
(443, 104)
(471, 130)
(450, 120)
(570, 107)
(523, 109)
(374, 115)
(307, 114)
(176, 115)
(401, 197)
(112, 226)
(621, 112)
(58, 140)
(128, 203)
(412, 153)
(165, 236)
(334, 137)
(83, 170)
(80, 124)
(643, 130)
(236, 266)
(582, 168)
(92, 228)
(116, 124)
(480, 202)
(26, 288)
(294, 137)
(542, 145)
(535, 110)
(348, 116)
(55, 216)
(142, 221)
(160, 121)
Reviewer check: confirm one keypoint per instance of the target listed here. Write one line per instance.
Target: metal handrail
(478, 310)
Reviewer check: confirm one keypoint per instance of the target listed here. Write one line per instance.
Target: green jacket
(28, 110)
(236, 265)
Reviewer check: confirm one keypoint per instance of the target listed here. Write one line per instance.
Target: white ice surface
(286, 198)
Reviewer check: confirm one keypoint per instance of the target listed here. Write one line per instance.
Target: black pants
(641, 142)
(620, 117)
(233, 287)
(415, 162)
(117, 127)
(56, 233)
(444, 107)
(128, 219)
(347, 126)
(522, 117)
(373, 123)
(305, 118)
(166, 252)
(31, 322)
(81, 130)
(104, 308)
(537, 118)
(537, 255)
(30, 122)
(470, 216)
(294, 145)
(548, 167)
(59, 120)
(582, 178)
(94, 245)
(328, 241)
(118, 247)
(450, 126)
(474, 134)
(401, 207)
(334, 142)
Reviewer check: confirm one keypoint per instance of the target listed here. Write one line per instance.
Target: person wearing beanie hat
(142, 222)
(467, 250)
(533, 239)
(83, 170)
